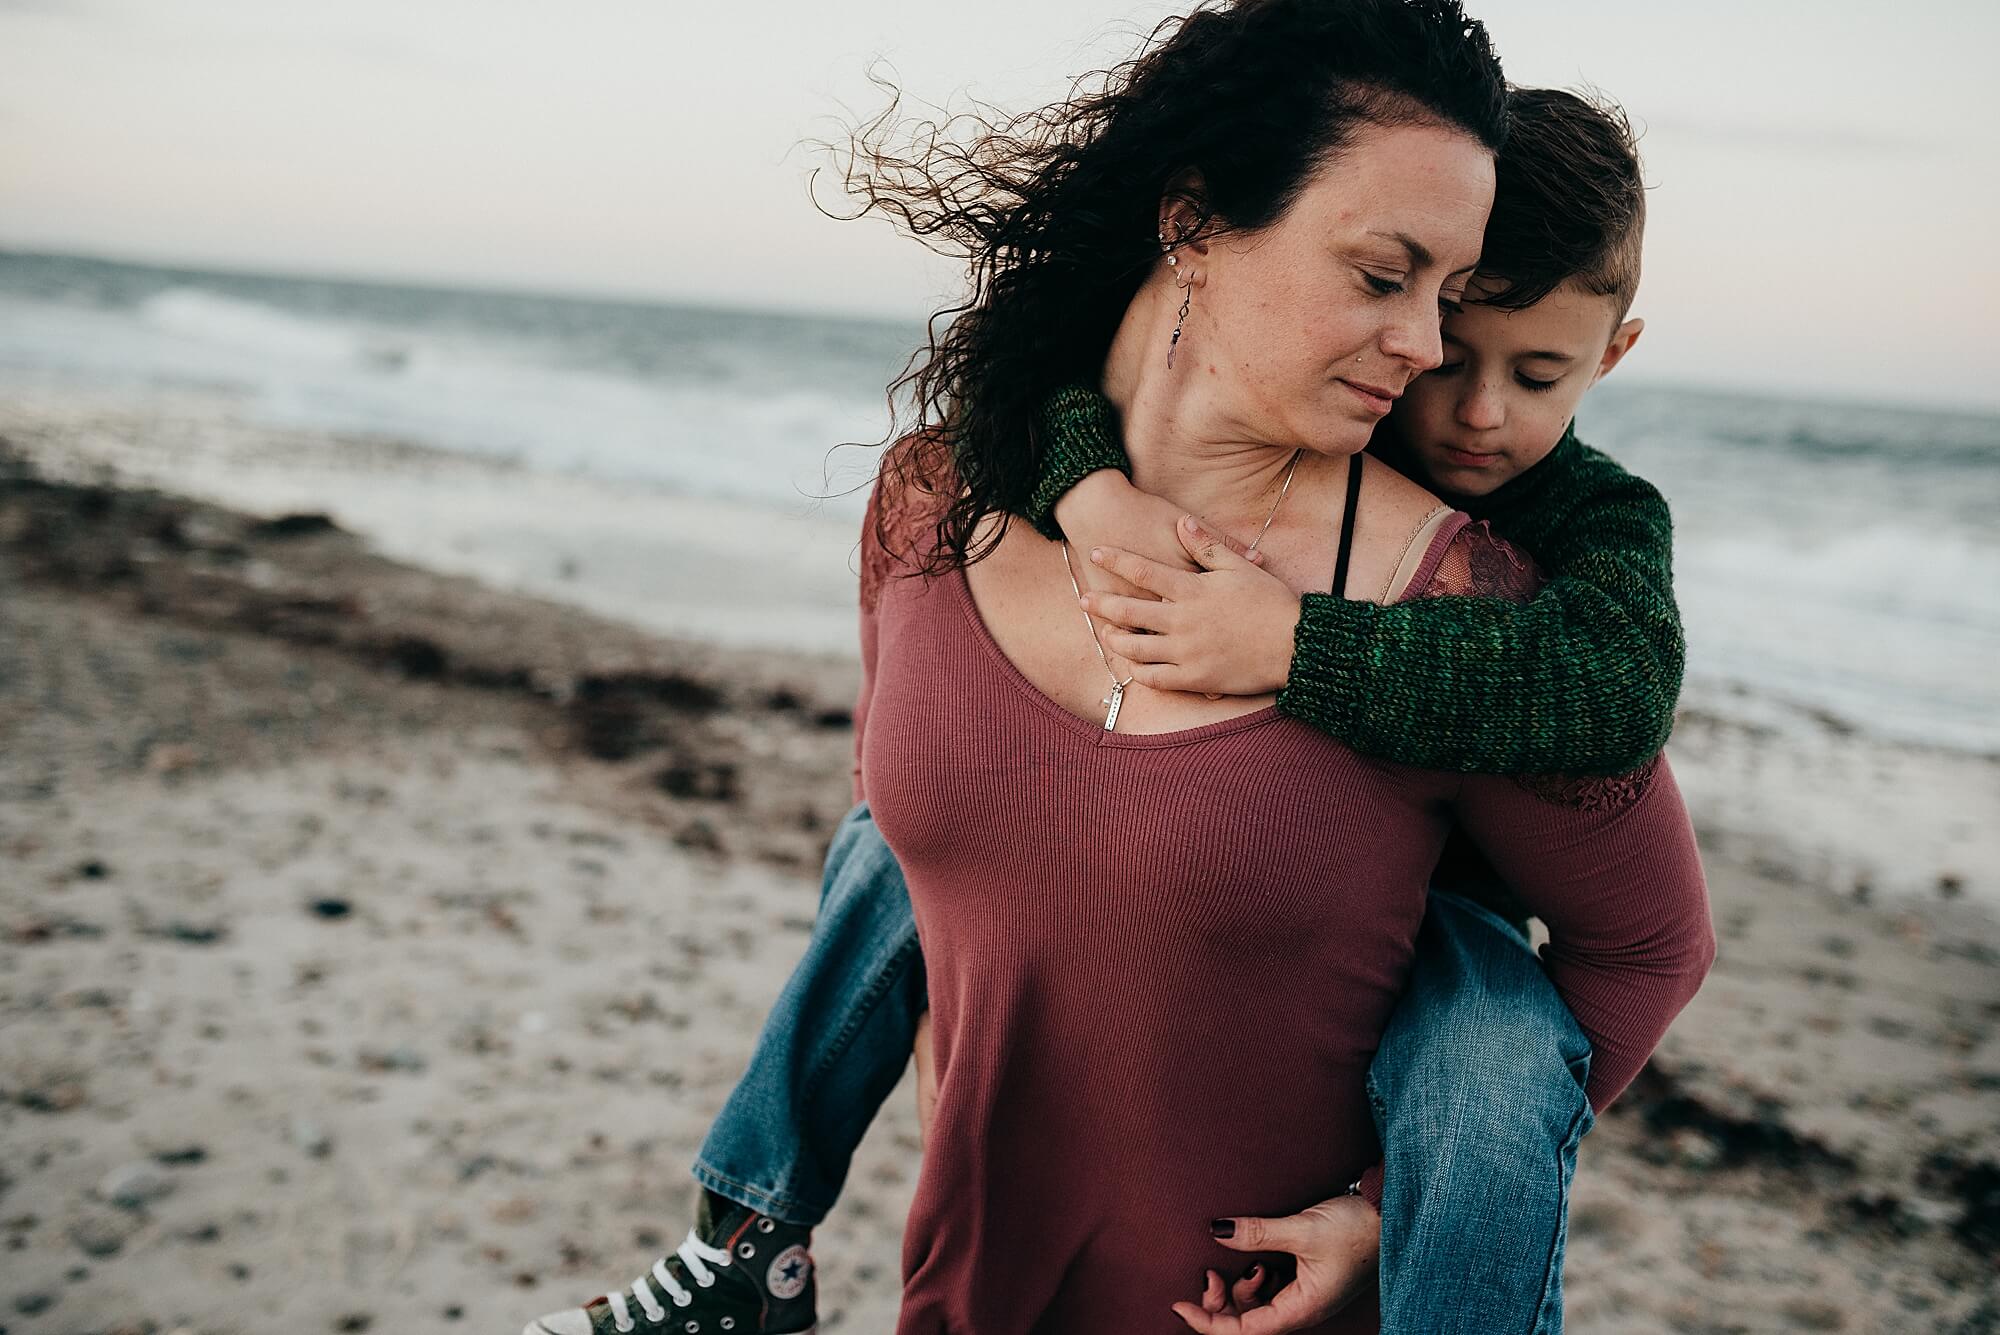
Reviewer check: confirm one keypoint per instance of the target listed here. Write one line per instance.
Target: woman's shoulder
(913, 487)
(1388, 493)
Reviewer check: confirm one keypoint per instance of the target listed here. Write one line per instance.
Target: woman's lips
(1375, 400)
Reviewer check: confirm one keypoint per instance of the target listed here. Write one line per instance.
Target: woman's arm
(1610, 865)
(899, 510)
(875, 563)
(926, 1079)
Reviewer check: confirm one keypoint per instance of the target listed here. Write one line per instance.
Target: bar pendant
(1116, 700)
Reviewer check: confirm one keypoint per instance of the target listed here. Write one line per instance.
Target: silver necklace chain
(1116, 700)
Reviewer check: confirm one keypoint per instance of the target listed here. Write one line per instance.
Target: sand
(376, 945)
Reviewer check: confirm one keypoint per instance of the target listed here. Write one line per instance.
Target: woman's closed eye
(1389, 287)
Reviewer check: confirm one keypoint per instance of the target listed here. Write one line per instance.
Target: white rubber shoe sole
(576, 1322)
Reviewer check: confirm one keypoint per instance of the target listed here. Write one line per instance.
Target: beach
(379, 943)
(423, 714)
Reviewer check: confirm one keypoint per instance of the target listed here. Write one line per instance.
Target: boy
(1580, 680)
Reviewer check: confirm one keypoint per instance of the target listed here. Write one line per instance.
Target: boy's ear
(1622, 339)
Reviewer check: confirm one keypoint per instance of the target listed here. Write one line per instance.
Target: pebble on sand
(99, 1234)
(134, 1186)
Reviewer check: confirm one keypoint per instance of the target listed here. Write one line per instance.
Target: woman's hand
(926, 1079)
(1224, 630)
(1337, 1243)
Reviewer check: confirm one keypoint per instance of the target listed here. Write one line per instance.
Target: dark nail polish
(1222, 1228)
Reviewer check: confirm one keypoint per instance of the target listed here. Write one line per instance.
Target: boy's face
(1509, 383)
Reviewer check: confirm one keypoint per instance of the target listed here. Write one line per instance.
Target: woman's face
(1319, 322)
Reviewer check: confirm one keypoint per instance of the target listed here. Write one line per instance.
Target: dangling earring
(1173, 342)
(1173, 262)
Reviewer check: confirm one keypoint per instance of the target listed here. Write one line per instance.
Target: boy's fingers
(1159, 676)
(1241, 549)
(1129, 613)
(1134, 647)
(1211, 549)
(1142, 571)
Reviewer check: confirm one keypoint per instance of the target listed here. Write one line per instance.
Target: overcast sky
(1826, 211)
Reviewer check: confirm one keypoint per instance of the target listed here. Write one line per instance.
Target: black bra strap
(1347, 527)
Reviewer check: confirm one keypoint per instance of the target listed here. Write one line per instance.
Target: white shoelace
(696, 1255)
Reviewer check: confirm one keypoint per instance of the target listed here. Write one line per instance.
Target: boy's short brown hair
(1569, 203)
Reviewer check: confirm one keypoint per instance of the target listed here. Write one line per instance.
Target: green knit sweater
(1582, 679)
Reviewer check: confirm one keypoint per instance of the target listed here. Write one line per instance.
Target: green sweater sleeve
(1582, 679)
(1078, 435)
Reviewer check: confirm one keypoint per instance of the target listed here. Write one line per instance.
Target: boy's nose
(1481, 409)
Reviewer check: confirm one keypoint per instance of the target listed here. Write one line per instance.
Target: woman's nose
(1416, 339)
(1480, 408)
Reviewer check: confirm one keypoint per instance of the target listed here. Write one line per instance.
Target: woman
(1117, 886)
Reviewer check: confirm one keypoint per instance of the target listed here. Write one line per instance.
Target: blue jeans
(1477, 1090)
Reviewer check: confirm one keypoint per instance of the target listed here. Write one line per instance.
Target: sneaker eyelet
(767, 1225)
(691, 1327)
(708, 1283)
(745, 1250)
(729, 1323)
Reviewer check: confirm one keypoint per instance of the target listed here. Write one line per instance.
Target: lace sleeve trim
(1472, 561)
(1591, 792)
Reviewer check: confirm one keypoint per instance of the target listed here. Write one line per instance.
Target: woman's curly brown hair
(1057, 210)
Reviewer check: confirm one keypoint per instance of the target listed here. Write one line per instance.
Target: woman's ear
(1622, 339)
(1183, 214)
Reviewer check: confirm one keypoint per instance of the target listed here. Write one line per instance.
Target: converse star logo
(787, 1276)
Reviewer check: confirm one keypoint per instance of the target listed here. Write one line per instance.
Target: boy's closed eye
(1521, 378)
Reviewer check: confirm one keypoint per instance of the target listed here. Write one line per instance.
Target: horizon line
(1949, 402)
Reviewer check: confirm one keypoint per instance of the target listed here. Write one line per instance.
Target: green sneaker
(738, 1273)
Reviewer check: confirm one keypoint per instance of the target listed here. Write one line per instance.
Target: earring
(1173, 262)
(1188, 296)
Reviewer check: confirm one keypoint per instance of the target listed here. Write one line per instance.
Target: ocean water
(1838, 565)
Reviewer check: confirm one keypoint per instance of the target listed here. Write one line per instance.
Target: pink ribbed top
(1159, 963)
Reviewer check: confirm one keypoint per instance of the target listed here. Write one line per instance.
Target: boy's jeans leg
(1478, 1096)
(834, 1045)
